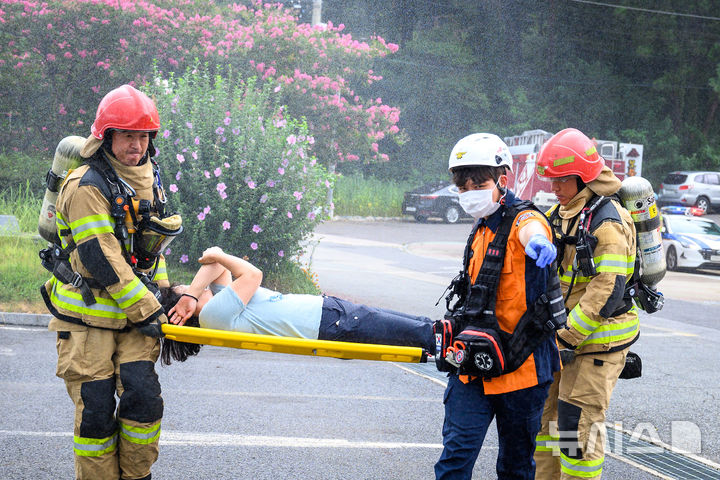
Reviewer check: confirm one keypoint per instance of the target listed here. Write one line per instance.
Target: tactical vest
(469, 340)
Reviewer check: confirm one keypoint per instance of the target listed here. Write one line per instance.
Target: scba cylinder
(638, 197)
(67, 157)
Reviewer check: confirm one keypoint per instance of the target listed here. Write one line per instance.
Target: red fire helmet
(569, 152)
(126, 108)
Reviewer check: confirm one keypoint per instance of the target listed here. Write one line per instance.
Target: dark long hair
(172, 349)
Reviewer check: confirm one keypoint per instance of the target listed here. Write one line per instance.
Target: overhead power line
(648, 10)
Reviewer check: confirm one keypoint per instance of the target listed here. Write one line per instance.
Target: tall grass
(21, 202)
(358, 196)
(21, 274)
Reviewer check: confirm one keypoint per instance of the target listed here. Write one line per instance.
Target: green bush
(287, 277)
(236, 168)
(358, 195)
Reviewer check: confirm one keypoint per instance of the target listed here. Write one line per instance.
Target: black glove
(567, 356)
(154, 327)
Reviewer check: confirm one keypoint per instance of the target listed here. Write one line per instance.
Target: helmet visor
(561, 180)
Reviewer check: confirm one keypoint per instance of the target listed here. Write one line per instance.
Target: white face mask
(478, 203)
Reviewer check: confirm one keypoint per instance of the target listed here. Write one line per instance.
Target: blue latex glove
(540, 249)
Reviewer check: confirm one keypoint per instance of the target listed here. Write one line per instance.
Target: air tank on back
(638, 197)
(67, 157)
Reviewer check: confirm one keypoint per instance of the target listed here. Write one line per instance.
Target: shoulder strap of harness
(596, 211)
(603, 210)
(483, 291)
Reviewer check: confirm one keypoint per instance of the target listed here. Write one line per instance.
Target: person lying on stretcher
(215, 300)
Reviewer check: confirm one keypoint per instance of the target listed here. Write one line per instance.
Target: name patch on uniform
(524, 217)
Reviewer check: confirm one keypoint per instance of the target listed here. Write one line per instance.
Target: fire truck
(624, 159)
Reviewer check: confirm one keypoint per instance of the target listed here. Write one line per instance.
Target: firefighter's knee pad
(140, 400)
(568, 425)
(98, 414)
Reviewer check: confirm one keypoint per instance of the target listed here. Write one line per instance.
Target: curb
(26, 319)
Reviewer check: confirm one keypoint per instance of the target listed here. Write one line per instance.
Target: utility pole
(316, 12)
(316, 20)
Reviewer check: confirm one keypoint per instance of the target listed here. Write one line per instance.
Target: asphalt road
(238, 414)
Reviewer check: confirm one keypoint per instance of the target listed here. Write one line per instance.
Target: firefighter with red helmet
(103, 294)
(595, 238)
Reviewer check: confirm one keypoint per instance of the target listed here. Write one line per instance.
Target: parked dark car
(699, 189)
(434, 200)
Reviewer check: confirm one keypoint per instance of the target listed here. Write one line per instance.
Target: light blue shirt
(267, 313)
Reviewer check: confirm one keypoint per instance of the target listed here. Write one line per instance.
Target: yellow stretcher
(296, 346)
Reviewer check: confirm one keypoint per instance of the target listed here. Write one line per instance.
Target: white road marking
(38, 328)
(382, 269)
(231, 440)
(356, 242)
(668, 331)
(300, 396)
(273, 395)
(669, 334)
(427, 377)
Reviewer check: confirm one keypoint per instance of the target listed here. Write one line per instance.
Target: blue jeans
(345, 321)
(468, 413)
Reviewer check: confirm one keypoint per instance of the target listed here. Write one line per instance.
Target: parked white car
(690, 242)
(685, 188)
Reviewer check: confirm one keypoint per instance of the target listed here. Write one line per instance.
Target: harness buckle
(77, 280)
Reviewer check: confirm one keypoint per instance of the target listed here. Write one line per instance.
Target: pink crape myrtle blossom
(259, 39)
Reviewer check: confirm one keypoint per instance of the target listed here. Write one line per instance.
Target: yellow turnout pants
(571, 442)
(97, 364)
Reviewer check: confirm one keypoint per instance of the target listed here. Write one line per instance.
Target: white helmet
(480, 149)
